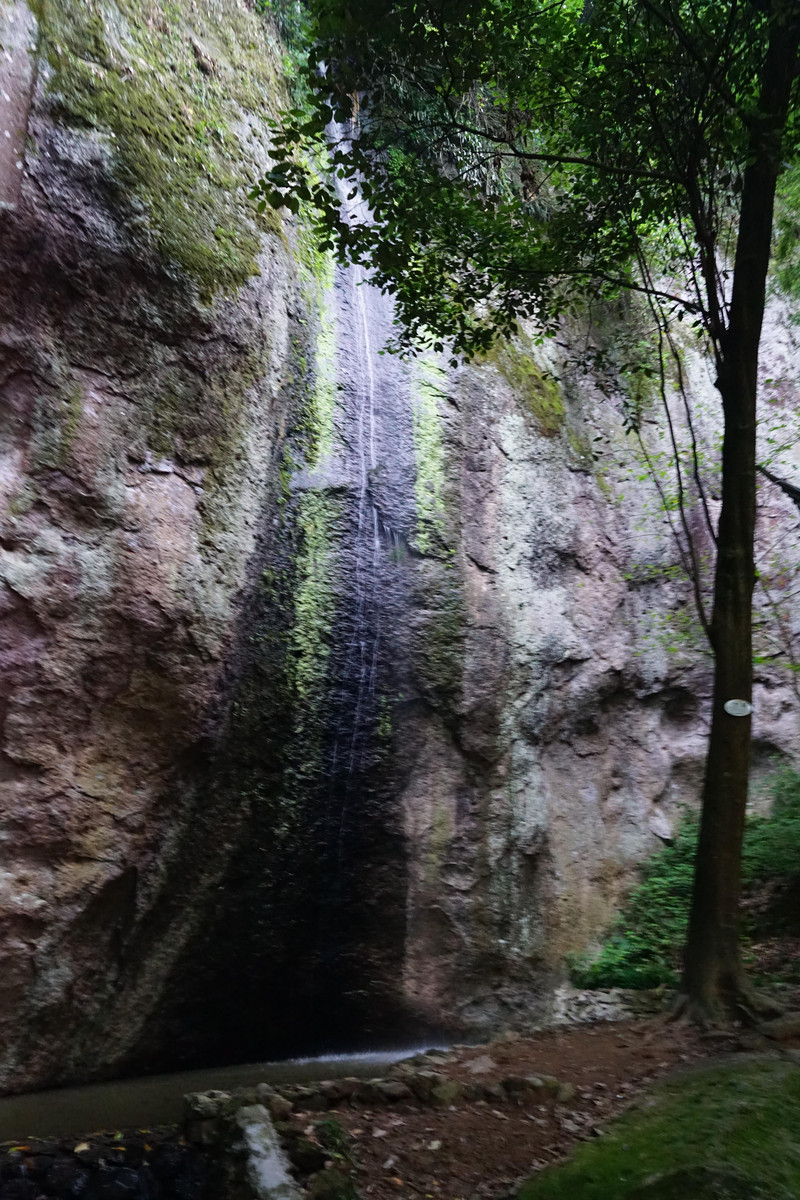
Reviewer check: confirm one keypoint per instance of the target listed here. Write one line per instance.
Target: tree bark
(713, 981)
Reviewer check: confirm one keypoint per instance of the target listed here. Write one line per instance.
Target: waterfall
(371, 470)
(312, 927)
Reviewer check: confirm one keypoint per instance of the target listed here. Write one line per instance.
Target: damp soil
(480, 1149)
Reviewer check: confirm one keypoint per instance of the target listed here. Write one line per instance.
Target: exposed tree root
(747, 1006)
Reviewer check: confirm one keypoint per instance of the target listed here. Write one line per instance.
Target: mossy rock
(537, 391)
(332, 1184)
(167, 87)
(725, 1132)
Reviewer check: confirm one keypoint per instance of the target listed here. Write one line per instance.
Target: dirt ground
(470, 1150)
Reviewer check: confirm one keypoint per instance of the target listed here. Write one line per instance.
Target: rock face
(338, 695)
(572, 727)
(141, 430)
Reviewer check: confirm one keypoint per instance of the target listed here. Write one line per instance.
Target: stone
(336, 1090)
(515, 1086)
(203, 1106)
(422, 1084)
(392, 1090)
(447, 1093)
(481, 1065)
(157, 342)
(783, 1028)
(280, 1109)
(267, 1165)
(202, 1133)
(332, 1184)
(305, 1155)
(565, 1093)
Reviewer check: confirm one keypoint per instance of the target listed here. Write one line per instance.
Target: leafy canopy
(518, 155)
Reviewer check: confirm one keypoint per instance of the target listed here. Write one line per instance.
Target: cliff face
(141, 426)
(572, 728)
(337, 694)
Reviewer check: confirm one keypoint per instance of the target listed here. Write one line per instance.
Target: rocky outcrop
(572, 726)
(339, 696)
(142, 425)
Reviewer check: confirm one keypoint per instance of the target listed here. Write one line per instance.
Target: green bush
(643, 948)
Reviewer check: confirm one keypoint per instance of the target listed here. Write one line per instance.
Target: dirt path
(472, 1149)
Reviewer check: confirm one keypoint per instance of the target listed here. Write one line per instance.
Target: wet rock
(401, 1070)
(565, 1093)
(368, 1092)
(167, 1161)
(122, 1184)
(515, 1086)
(202, 1133)
(437, 1058)
(20, 1189)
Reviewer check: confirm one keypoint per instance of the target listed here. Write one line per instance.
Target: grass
(643, 948)
(730, 1132)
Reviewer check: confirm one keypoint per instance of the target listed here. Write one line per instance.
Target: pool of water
(158, 1099)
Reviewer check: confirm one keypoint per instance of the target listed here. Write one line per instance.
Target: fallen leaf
(434, 1145)
(81, 1146)
(379, 1133)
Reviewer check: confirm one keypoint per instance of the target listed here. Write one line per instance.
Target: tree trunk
(713, 977)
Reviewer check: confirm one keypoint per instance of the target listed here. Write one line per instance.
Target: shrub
(643, 948)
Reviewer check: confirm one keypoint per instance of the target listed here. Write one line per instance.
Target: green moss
(441, 588)
(439, 839)
(429, 485)
(313, 610)
(537, 392)
(165, 84)
(316, 425)
(727, 1132)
